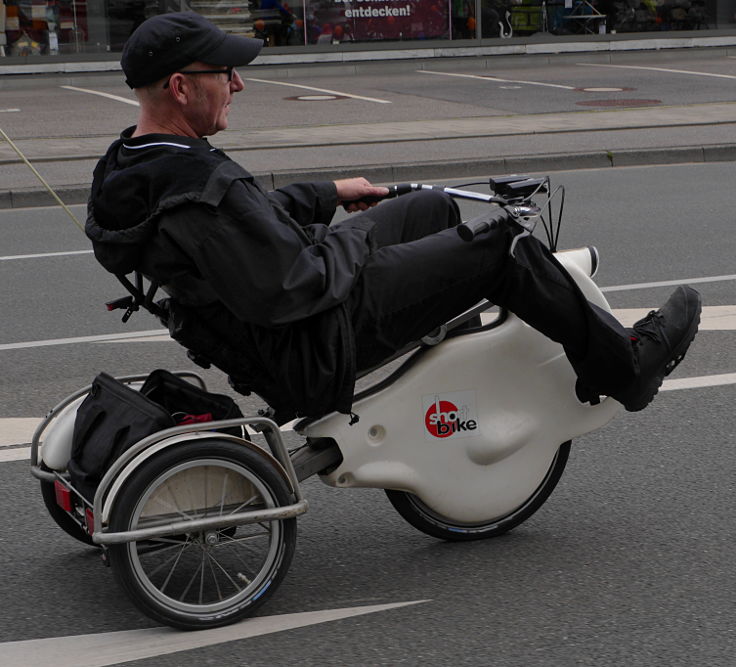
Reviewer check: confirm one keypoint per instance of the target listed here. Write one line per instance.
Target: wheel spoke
(174, 507)
(239, 556)
(206, 504)
(214, 575)
(224, 492)
(212, 560)
(241, 539)
(201, 575)
(189, 585)
(173, 567)
(245, 504)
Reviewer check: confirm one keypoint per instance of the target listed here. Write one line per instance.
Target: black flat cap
(166, 43)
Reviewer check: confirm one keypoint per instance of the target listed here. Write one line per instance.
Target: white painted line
(493, 78)
(110, 648)
(160, 335)
(79, 339)
(43, 255)
(117, 98)
(699, 382)
(17, 430)
(661, 69)
(163, 338)
(668, 283)
(713, 318)
(320, 90)
(9, 110)
(15, 454)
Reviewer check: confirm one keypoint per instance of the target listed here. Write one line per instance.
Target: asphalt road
(331, 118)
(629, 563)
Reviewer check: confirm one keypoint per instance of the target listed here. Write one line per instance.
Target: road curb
(78, 194)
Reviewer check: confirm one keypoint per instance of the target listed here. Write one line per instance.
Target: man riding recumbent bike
(468, 436)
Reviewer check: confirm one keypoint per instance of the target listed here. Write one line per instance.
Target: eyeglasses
(228, 70)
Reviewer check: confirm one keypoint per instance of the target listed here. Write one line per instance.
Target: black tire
(62, 519)
(428, 521)
(202, 579)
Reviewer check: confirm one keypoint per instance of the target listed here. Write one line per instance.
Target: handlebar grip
(400, 189)
(393, 191)
(470, 229)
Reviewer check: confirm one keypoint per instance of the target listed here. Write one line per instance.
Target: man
(291, 306)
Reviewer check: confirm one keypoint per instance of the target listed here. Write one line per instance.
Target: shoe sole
(678, 354)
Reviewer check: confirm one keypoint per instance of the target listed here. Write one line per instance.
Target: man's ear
(179, 88)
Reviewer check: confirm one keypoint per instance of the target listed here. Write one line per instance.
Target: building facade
(78, 29)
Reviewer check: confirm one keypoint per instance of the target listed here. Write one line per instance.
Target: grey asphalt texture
(448, 136)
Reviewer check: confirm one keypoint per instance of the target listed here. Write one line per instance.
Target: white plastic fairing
(473, 427)
(56, 449)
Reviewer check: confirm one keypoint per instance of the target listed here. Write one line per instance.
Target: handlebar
(405, 188)
(512, 194)
(469, 229)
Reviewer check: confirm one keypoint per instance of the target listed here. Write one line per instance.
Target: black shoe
(660, 341)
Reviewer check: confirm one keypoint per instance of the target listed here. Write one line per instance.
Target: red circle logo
(441, 419)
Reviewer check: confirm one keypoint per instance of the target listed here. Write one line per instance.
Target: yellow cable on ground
(41, 178)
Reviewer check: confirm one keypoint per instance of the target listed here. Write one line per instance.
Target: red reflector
(89, 520)
(63, 496)
(194, 419)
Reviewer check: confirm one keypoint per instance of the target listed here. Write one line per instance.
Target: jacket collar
(161, 140)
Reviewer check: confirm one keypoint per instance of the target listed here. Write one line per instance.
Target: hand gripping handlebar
(393, 191)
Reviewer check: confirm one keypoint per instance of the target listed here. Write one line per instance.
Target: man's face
(213, 94)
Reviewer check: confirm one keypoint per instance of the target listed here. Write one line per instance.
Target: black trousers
(422, 274)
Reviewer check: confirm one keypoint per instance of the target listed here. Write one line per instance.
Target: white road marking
(713, 318)
(161, 338)
(668, 283)
(117, 98)
(14, 431)
(43, 255)
(660, 69)
(15, 454)
(8, 453)
(160, 335)
(109, 648)
(496, 79)
(699, 382)
(80, 339)
(9, 110)
(319, 90)
(17, 430)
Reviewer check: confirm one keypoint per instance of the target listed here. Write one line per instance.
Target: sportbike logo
(450, 415)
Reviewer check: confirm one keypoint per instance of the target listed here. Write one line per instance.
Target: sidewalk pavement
(387, 152)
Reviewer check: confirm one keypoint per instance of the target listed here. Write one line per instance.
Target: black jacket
(263, 271)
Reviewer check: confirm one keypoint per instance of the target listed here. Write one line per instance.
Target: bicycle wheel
(422, 517)
(202, 578)
(62, 519)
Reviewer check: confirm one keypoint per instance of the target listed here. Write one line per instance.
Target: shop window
(44, 27)
(59, 27)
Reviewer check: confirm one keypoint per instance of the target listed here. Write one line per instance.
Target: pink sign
(333, 21)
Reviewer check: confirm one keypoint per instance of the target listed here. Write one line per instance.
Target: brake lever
(526, 217)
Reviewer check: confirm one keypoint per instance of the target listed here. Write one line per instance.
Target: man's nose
(236, 83)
